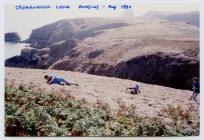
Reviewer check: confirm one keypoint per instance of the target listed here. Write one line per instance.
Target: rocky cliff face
(168, 69)
(41, 58)
(68, 29)
(156, 52)
(12, 37)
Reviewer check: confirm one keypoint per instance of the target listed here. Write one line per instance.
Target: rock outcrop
(12, 37)
(173, 70)
(41, 58)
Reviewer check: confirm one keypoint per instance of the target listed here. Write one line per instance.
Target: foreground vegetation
(30, 113)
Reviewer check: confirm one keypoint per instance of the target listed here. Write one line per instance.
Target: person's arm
(49, 81)
(127, 89)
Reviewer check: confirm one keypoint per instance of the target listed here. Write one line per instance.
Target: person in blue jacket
(134, 89)
(196, 89)
(58, 80)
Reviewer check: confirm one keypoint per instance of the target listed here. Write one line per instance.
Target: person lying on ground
(134, 89)
(58, 80)
(196, 89)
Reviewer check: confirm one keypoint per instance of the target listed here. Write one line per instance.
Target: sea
(13, 49)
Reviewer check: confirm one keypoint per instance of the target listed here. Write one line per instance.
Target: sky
(23, 21)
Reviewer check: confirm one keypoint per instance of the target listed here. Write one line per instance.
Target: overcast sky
(24, 21)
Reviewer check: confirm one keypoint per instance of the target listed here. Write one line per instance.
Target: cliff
(155, 51)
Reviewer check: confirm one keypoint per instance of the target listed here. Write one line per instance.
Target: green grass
(29, 113)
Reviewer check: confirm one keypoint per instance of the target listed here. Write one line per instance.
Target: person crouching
(134, 89)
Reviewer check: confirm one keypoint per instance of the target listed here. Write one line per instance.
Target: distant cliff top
(192, 18)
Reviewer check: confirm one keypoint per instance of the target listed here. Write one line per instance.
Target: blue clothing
(196, 87)
(56, 80)
(135, 87)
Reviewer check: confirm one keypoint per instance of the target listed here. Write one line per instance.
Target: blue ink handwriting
(112, 7)
(62, 6)
(31, 7)
(89, 7)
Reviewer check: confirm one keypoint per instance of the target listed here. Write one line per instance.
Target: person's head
(46, 77)
(195, 79)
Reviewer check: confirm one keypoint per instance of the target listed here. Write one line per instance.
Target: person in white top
(134, 89)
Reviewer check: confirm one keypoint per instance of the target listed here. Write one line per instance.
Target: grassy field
(31, 113)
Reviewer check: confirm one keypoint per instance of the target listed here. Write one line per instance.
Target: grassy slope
(106, 89)
(29, 113)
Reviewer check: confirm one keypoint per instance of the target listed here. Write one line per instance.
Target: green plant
(29, 113)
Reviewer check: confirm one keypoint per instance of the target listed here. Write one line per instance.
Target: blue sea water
(13, 49)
